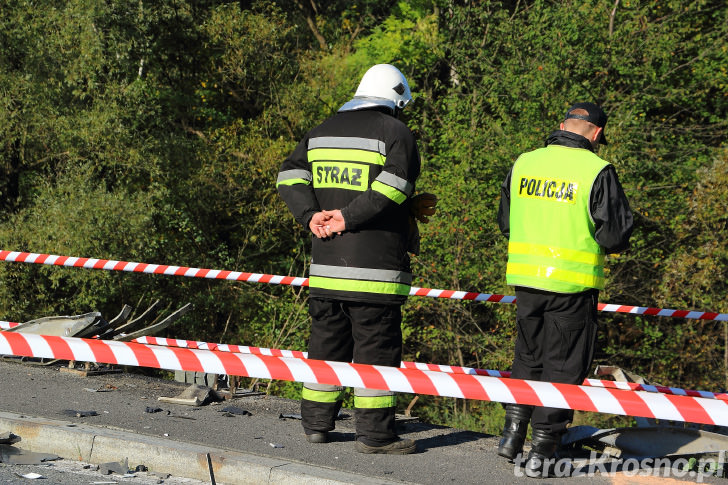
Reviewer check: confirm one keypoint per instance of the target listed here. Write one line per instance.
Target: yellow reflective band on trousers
(341, 284)
(389, 192)
(375, 402)
(321, 396)
(345, 155)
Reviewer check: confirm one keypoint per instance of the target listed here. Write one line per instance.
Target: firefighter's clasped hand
(327, 223)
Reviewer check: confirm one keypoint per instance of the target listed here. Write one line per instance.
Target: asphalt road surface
(264, 429)
(68, 472)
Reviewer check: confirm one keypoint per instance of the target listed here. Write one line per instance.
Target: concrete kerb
(101, 445)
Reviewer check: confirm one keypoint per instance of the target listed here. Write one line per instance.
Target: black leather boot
(543, 447)
(514, 430)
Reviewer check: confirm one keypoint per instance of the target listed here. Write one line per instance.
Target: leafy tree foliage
(153, 131)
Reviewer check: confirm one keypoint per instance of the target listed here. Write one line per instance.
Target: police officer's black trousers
(363, 333)
(556, 339)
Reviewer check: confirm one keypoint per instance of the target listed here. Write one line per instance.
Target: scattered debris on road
(234, 410)
(114, 467)
(8, 438)
(194, 395)
(79, 414)
(30, 476)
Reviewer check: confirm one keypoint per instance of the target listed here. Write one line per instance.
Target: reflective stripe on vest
(551, 243)
(537, 261)
(368, 280)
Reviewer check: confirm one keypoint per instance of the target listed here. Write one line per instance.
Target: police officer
(562, 209)
(351, 181)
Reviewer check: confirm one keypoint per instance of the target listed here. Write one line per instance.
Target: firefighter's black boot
(514, 430)
(541, 458)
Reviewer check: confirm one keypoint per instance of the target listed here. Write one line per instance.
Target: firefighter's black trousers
(555, 343)
(362, 333)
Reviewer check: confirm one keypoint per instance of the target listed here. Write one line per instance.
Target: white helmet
(381, 85)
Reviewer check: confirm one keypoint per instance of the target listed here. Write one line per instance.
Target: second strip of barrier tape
(192, 344)
(112, 265)
(465, 386)
(633, 386)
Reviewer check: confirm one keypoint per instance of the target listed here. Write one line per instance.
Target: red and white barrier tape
(632, 386)
(297, 354)
(111, 265)
(564, 396)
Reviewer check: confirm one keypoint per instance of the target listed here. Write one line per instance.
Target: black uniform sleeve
(611, 212)
(398, 177)
(504, 209)
(295, 185)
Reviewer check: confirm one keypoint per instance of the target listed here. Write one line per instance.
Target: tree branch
(312, 25)
(611, 17)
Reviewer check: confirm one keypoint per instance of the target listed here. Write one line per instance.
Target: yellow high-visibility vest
(551, 244)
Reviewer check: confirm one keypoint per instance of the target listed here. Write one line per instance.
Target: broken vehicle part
(651, 438)
(153, 329)
(93, 325)
(83, 326)
(648, 441)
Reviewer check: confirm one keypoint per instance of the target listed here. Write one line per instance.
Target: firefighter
(351, 181)
(562, 209)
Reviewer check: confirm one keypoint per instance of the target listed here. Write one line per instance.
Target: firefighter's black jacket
(365, 163)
